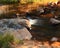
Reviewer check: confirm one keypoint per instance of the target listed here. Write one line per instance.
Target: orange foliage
(46, 43)
(48, 15)
(28, 7)
(56, 44)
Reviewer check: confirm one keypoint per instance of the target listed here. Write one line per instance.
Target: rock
(13, 27)
(54, 21)
(24, 34)
(54, 39)
(20, 33)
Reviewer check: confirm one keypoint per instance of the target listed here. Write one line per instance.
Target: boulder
(54, 39)
(54, 21)
(13, 27)
(20, 34)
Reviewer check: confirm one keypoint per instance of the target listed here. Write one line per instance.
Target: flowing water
(43, 29)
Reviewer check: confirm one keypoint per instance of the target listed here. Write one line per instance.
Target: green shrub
(8, 1)
(17, 41)
(5, 40)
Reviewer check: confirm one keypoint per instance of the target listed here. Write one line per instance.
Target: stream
(42, 29)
